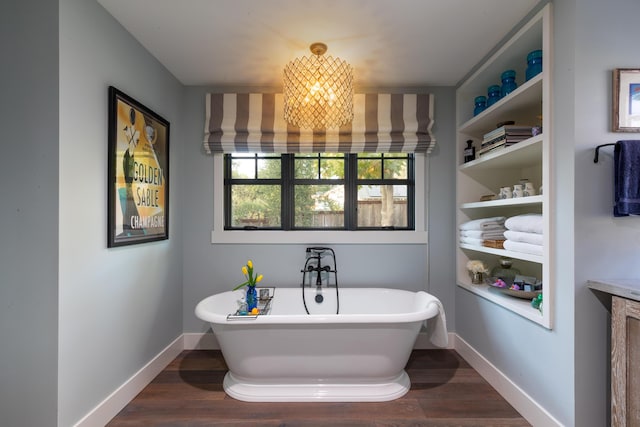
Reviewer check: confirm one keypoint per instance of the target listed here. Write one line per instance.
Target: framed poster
(138, 173)
(626, 100)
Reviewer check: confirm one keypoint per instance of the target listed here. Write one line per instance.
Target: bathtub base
(317, 392)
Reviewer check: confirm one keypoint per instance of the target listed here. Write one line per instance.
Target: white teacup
(529, 190)
(505, 193)
(518, 191)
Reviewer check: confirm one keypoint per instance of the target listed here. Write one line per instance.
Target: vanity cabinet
(625, 357)
(528, 105)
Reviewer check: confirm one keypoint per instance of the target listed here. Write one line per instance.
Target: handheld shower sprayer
(313, 264)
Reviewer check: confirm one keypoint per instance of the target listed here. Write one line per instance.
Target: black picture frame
(138, 172)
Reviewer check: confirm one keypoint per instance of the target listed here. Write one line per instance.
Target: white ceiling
(390, 43)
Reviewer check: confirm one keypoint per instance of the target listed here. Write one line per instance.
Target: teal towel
(627, 178)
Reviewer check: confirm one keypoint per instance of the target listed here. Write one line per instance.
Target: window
(327, 191)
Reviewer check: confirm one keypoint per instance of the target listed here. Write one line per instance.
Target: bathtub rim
(430, 310)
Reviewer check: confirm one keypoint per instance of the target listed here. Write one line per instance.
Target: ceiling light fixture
(318, 91)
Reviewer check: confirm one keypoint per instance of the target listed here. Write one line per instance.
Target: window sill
(319, 237)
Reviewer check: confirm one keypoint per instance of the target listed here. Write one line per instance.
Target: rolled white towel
(498, 233)
(483, 223)
(471, 241)
(523, 247)
(529, 223)
(521, 236)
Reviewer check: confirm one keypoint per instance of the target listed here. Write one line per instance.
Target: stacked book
(503, 137)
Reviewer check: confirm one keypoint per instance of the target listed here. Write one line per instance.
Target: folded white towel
(483, 223)
(523, 247)
(471, 240)
(498, 233)
(521, 236)
(530, 223)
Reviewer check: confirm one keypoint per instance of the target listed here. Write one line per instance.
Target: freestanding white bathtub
(288, 355)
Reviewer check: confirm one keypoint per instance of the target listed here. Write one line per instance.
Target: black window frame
(287, 182)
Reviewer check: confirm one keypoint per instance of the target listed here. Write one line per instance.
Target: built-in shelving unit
(529, 104)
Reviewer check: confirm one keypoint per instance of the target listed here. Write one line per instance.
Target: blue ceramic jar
(494, 95)
(481, 105)
(508, 82)
(534, 64)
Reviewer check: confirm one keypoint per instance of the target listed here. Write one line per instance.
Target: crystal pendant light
(318, 91)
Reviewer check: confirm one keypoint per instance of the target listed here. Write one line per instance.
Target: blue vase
(534, 64)
(480, 105)
(494, 95)
(252, 298)
(508, 82)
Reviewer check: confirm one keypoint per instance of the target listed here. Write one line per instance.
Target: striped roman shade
(254, 122)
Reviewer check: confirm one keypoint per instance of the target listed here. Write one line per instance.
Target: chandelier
(318, 91)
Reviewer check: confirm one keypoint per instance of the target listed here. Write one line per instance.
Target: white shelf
(523, 154)
(516, 105)
(528, 105)
(502, 252)
(518, 305)
(499, 203)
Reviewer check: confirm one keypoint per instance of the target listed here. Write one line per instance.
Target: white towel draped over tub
(437, 326)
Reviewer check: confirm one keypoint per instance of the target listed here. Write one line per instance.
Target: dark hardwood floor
(445, 391)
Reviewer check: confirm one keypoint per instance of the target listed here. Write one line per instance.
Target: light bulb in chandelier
(318, 91)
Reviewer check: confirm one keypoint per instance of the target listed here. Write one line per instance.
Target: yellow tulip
(249, 264)
(259, 278)
(244, 270)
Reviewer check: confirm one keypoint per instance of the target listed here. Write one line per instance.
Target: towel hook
(595, 158)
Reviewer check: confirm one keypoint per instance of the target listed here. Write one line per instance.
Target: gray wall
(118, 307)
(606, 37)
(28, 213)
(209, 268)
(566, 370)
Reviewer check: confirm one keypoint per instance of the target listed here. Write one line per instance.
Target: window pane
(255, 205)
(306, 168)
(395, 169)
(332, 168)
(369, 168)
(269, 168)
(320, 206)
(382, 206)
(243, 168)
(319, 166)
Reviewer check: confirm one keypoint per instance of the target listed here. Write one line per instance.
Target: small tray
(519, 294)
(511, 292)
(264, 305)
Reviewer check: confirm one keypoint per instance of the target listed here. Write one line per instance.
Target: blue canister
(481, 105)
(508, 82)
(534, 64)
(494, 95)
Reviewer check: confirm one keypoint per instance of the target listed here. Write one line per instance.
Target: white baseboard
(518, 398)
(109, 407)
